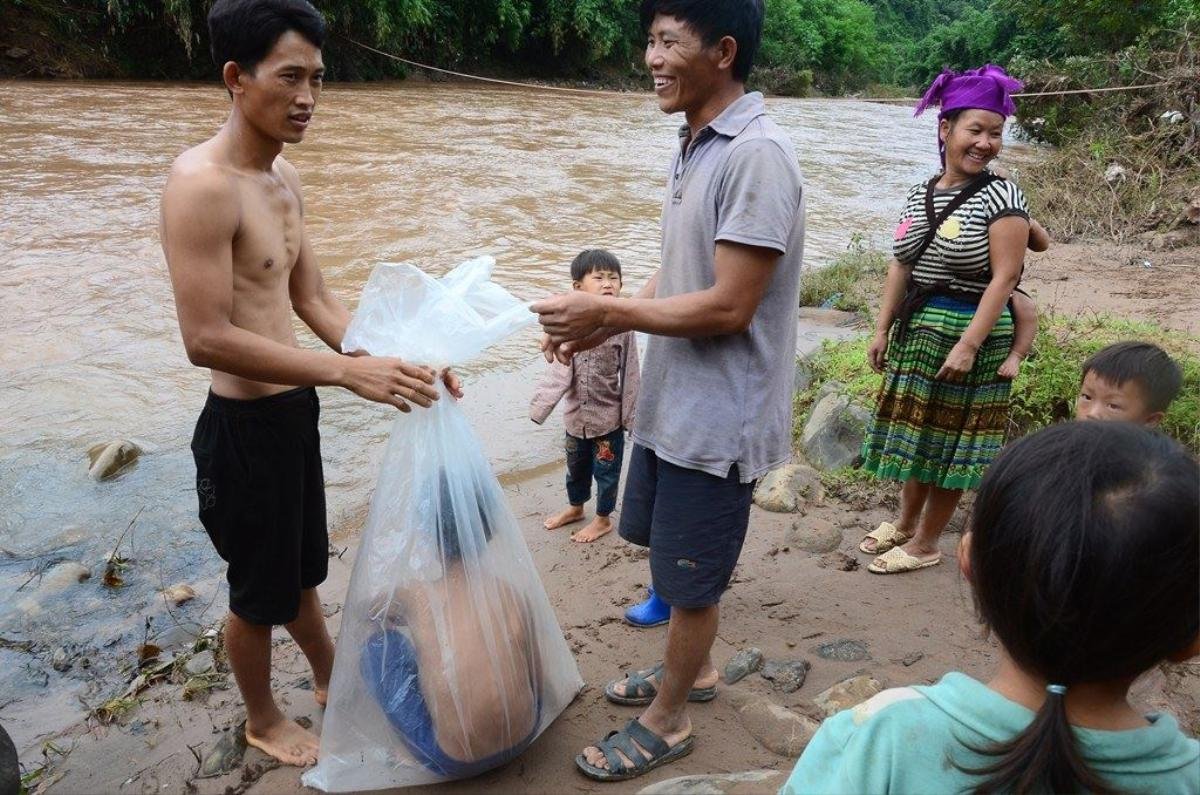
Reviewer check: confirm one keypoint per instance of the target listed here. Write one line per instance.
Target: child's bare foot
(569, 516)
(600, 526)
(321, 694)
(1010, 367)
(287, 741)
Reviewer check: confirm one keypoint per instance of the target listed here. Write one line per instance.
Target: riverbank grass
(852, 282)
(1045, 390)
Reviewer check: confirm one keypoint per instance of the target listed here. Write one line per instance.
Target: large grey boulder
(751, 782)
(779, 729)
(789, 488)
(835, 430)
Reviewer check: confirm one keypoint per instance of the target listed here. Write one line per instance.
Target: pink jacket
(600, 387)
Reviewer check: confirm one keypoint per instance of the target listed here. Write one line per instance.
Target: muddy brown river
(427, 173)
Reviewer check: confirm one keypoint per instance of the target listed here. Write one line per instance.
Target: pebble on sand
(201, 663)
(180, 593)
(744, 663)
(814, 535)
(786, 675)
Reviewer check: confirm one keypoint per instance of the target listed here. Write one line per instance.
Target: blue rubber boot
(653, 612)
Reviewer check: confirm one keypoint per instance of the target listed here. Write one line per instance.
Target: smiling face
(1101, 399)
(972, 141)
(686, 73)
(600, 282)
(279, 96)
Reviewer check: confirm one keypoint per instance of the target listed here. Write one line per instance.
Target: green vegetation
(831, 46)
(1045, 391)
(852, 282)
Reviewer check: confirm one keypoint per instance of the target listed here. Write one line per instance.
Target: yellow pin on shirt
(950, 228)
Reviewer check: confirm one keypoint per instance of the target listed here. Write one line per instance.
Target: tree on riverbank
(829, 45)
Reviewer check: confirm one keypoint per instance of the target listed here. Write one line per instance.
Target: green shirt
(908, 740)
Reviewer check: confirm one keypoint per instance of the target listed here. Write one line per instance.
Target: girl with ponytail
(1084, 558)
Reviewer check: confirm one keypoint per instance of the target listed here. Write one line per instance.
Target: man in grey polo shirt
(714, 413)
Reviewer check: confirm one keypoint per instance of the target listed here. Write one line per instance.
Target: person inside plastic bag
(458, 684)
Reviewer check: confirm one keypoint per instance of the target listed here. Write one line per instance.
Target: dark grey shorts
(694, 523)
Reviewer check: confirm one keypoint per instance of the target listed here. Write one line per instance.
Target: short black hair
(592, 260)
(1144, 363)
(244, 31)
(713, 20)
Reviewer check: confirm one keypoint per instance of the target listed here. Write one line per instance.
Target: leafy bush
(853, 282)
(1045, 391)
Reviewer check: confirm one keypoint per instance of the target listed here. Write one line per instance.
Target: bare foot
(921, 552)
(321, 694)
(287, 741)
(598, 527)
(569, 516)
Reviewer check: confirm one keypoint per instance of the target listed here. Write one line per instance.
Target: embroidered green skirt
(940, 432)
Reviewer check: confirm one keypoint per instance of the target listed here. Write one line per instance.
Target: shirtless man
(240, 262)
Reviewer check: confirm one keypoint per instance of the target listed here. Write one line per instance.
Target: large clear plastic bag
(449, 660)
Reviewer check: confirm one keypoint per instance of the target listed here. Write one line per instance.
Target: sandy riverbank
(783, 600)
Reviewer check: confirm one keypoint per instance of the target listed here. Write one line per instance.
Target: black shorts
(694, 523)
(261, 492)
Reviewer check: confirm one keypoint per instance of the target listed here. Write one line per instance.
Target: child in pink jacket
(599, 392)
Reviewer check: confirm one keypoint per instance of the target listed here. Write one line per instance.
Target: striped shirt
(958, 256)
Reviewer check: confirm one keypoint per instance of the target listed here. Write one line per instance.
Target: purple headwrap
(985, 88)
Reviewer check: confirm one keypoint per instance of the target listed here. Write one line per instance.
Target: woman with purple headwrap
(945, 330)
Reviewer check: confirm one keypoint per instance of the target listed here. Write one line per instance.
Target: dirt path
(1130, 281)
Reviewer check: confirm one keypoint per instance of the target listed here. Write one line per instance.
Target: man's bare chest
(269, 237)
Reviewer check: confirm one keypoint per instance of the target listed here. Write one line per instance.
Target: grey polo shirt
(712, 402)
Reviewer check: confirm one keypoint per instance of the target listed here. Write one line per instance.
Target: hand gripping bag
(449, 660)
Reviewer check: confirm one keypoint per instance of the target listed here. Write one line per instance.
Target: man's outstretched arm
(317, 305)
(200, 216)
(741, 276)
(564, 351)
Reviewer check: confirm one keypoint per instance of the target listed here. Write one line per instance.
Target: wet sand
(782, 600)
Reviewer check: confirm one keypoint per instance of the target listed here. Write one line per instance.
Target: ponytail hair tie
(1058, 690)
